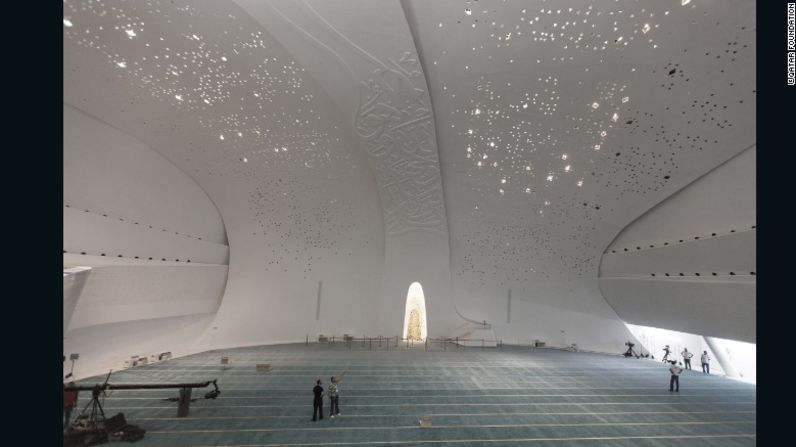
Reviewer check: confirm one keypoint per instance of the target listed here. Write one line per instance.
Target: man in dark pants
(705, 359)
(687, 358)
(675, 369)
(317, 403)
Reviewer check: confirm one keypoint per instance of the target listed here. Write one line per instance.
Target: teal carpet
(473, 397)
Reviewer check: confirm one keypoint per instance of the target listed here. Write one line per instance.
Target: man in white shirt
(705, 359)
(675, 369)
(687, 358)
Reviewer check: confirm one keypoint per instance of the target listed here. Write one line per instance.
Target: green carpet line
(444, 441)
(438, 427)
(348, 415)
(464, 405)
(452, 396)
(303, 391)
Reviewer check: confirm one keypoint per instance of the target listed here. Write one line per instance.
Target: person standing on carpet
(705, 359)
(675, 369)
(687, 358)
(334, 396)
(317, 403)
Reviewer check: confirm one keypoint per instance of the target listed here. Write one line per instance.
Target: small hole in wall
(713, 234)
(732, 231)
(697, 274)
(119, 256)
(162, 259)
(136, 257)
(732, 273)
(102, 254)
(681, 274)
(653, 274)
(752, 273)
(714, 273)
(82, 252)
(665, 243)
(150, 258)
(666, 274)
(696, 237)
(681, 241)
(754, 226)
(626, 249)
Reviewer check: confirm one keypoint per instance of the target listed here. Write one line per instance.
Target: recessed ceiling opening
(415, 317)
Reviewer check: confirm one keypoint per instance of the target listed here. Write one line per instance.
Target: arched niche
(415, 325)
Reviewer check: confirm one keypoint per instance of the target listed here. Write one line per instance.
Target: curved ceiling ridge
(380, 87)
(674, 193)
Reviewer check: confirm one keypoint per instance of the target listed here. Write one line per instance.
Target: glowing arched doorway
(415, 316)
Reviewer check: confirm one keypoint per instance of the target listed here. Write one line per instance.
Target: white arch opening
(415, 313)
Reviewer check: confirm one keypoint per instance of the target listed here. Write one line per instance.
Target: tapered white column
(722, 357)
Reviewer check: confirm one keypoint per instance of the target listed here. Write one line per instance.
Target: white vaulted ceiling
(490, 150)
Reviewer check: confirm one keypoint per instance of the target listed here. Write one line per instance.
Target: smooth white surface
(122, 201)
(704, 284)
(719, 308)
(733, 252)
(108, 171)
(73, 286)
(721, 201)
(128, 293)
(93, 234)
(106, 347)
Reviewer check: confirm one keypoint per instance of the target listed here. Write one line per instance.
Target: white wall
(129, 293)
(688, 264)
(108, 346)
(109, 172)
(154, 240)
(74, 281)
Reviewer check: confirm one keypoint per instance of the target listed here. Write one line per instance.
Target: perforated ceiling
(480, 146)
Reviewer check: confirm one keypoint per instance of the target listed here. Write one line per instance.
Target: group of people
(333, 391)
(704, 358)
(676, 369)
